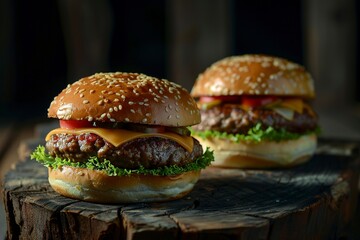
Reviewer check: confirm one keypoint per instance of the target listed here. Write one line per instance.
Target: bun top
(126, 97)
(254, 75)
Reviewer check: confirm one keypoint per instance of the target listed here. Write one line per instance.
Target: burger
(123, 137)
(256, 112)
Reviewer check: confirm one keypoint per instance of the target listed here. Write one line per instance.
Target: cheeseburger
(123, 137)
(255, 112)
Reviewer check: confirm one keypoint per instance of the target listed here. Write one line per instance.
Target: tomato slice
(72, 124)
(256, 101)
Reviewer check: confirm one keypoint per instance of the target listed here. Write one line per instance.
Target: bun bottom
(96, 186)
(261, 155)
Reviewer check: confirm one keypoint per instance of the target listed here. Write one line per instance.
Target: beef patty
(231, 118)
(151, 152)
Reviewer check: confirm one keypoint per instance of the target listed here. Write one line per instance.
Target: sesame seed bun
(95, 186)
(126, 97)
(254, 75)
(131, 98)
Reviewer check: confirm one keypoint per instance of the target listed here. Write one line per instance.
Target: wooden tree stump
(316, 200)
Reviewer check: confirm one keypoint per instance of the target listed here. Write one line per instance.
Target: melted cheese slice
(295, 104)
(120, 136)
(287, 108)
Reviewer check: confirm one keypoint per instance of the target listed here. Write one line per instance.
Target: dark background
(45, 44)
(138, 44)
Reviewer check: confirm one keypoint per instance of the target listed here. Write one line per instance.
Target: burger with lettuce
(256, 112)
(123, 137)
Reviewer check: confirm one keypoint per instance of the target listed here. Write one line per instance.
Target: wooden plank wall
(330, 50)
(199, 34)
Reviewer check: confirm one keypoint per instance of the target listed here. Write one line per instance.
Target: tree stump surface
(316, 200)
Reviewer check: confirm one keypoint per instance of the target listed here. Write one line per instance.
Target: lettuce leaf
(255, 134)
(40, 155)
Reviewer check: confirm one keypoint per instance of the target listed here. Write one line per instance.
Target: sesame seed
(103, 115)
(82, 95)
(132, 110)
(148, 114)
(92, 91)
(131, 103)
(111, 109)
(247, 79)
(144, 120)
(108, 115)
(112, 120)
(127, 120)
(90, 119)
(116, 100)
(85, 101)
(156, 100)
(265, 64)
(146, 100)
(120, 107)
(100, 102)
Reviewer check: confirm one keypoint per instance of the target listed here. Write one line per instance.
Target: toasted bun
(95, 186)
(266, 154)
(126, 97)
(254, 75)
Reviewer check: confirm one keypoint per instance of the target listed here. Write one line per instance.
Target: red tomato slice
(255, 101)
(72, 124)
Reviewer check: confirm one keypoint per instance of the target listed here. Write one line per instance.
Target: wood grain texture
(316, 200)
